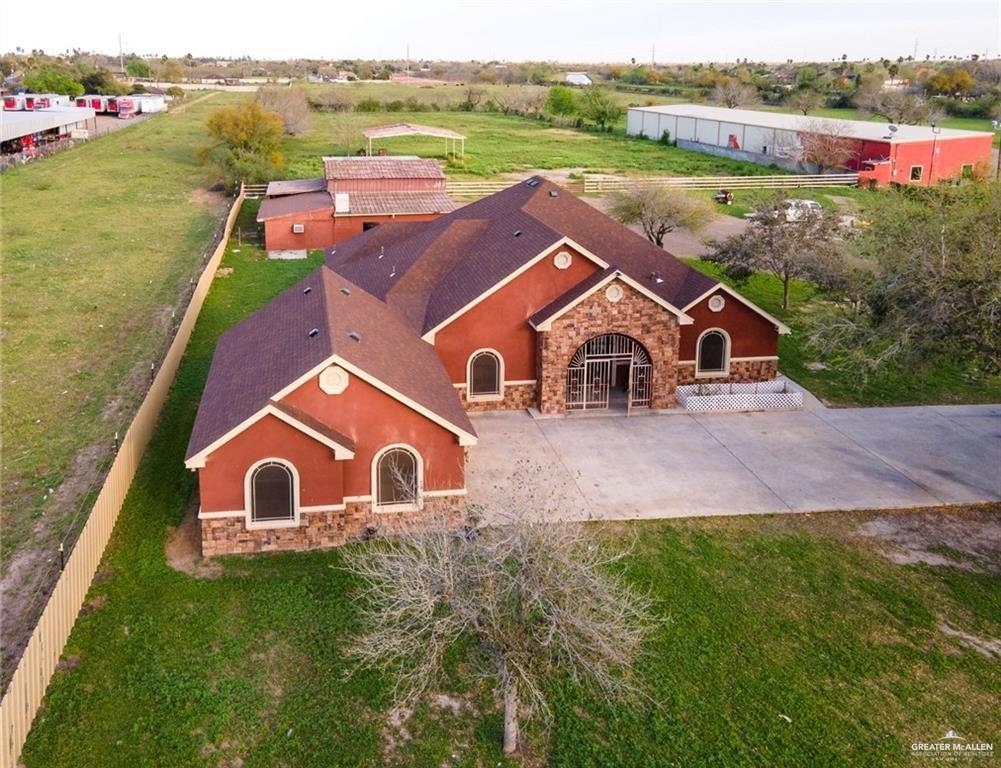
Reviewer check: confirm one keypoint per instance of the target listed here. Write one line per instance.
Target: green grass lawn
(783, 642)
(938, 382)
(99, 243)
(498, 144)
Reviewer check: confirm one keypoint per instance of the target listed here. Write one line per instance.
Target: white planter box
(762, 396)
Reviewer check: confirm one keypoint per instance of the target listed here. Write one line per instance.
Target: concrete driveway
(682, 465)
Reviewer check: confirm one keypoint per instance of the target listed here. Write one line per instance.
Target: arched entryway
(608, 371)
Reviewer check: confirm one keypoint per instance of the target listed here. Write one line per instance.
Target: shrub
(332, 100)
(368, 105)
(396, 105)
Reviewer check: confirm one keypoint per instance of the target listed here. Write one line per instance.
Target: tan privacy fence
(31, 678)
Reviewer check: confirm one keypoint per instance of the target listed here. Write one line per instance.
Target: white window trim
(921, 175)
(725, 370)
(493, 396)
(248, 496)
(407, 506)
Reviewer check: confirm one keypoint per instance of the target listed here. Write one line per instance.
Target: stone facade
(517, 397)
(319, 530)
(741, 371)
(634, 315)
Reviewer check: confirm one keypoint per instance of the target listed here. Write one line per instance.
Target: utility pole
(408, 59)
(121, 59)
(653, 55)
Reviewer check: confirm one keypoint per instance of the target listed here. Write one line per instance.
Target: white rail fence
(600, 184)
(34, 671)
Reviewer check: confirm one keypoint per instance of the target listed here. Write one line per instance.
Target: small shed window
(367, 225)
(397, 478)
(712, 353)
(916, 172)
(272, 493)
(484, 374)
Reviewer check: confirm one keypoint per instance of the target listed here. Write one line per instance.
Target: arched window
(272, 493)
(486, 374)
(397, 477)
(713, 353)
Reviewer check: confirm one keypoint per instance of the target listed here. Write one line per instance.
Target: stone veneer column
(634, 315)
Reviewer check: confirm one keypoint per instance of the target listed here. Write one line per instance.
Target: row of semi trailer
(122, 106)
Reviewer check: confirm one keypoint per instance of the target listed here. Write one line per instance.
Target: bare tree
(660, 210)
(733, 93)
(289, 103)
(896, 106)
(827, 144)
(533, 592)
(787, 242)
(473, 97)
(805, 100)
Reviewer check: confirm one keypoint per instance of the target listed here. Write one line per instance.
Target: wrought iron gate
(589, 375)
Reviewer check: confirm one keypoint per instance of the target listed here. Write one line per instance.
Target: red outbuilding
(881, 152)
(341, 406)
(355, 194)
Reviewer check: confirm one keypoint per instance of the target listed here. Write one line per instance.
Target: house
(342, 406)
(355, 194)
(881, 153)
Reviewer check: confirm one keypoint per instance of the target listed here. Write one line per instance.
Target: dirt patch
(986, 646)
(183, 548)
(207, 197)
(94, 604)
(224, 272)
(68, 663)
(968, 538)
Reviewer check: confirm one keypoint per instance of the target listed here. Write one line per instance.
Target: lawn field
(785, 641)
(497, 144)
(937, 382)
(99, 244)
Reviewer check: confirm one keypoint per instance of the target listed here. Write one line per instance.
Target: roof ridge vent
(354, 335)
(382, 251)
(313, 333)
(553, 193)
(533, 182)
(345, 290)
(517, 233)
(307, 289)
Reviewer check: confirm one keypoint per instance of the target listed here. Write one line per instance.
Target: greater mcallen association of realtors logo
(952, 745)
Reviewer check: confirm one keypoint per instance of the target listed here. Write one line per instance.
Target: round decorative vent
(333, 380)
(613, 292)
(716, 303)
(563, 260)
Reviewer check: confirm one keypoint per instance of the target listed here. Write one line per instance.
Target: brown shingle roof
(295, 186)
(460, 256)
(372, 203)
(272, 348)
(572, 295)
(313, 423)
(275, 207)
(399, 167)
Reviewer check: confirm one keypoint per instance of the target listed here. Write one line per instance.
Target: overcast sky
(513, 30)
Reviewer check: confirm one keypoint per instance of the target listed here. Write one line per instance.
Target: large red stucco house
(354, 195)
(341, 406)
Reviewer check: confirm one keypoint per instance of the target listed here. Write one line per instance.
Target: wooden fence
(476, 188)
(254, 191)
(593, 185)
(37, 664)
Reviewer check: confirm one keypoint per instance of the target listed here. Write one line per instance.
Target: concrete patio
(681, 465)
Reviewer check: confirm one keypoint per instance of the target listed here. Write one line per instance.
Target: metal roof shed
(412, 129)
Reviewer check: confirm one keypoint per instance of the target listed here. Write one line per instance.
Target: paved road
(682, 465)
